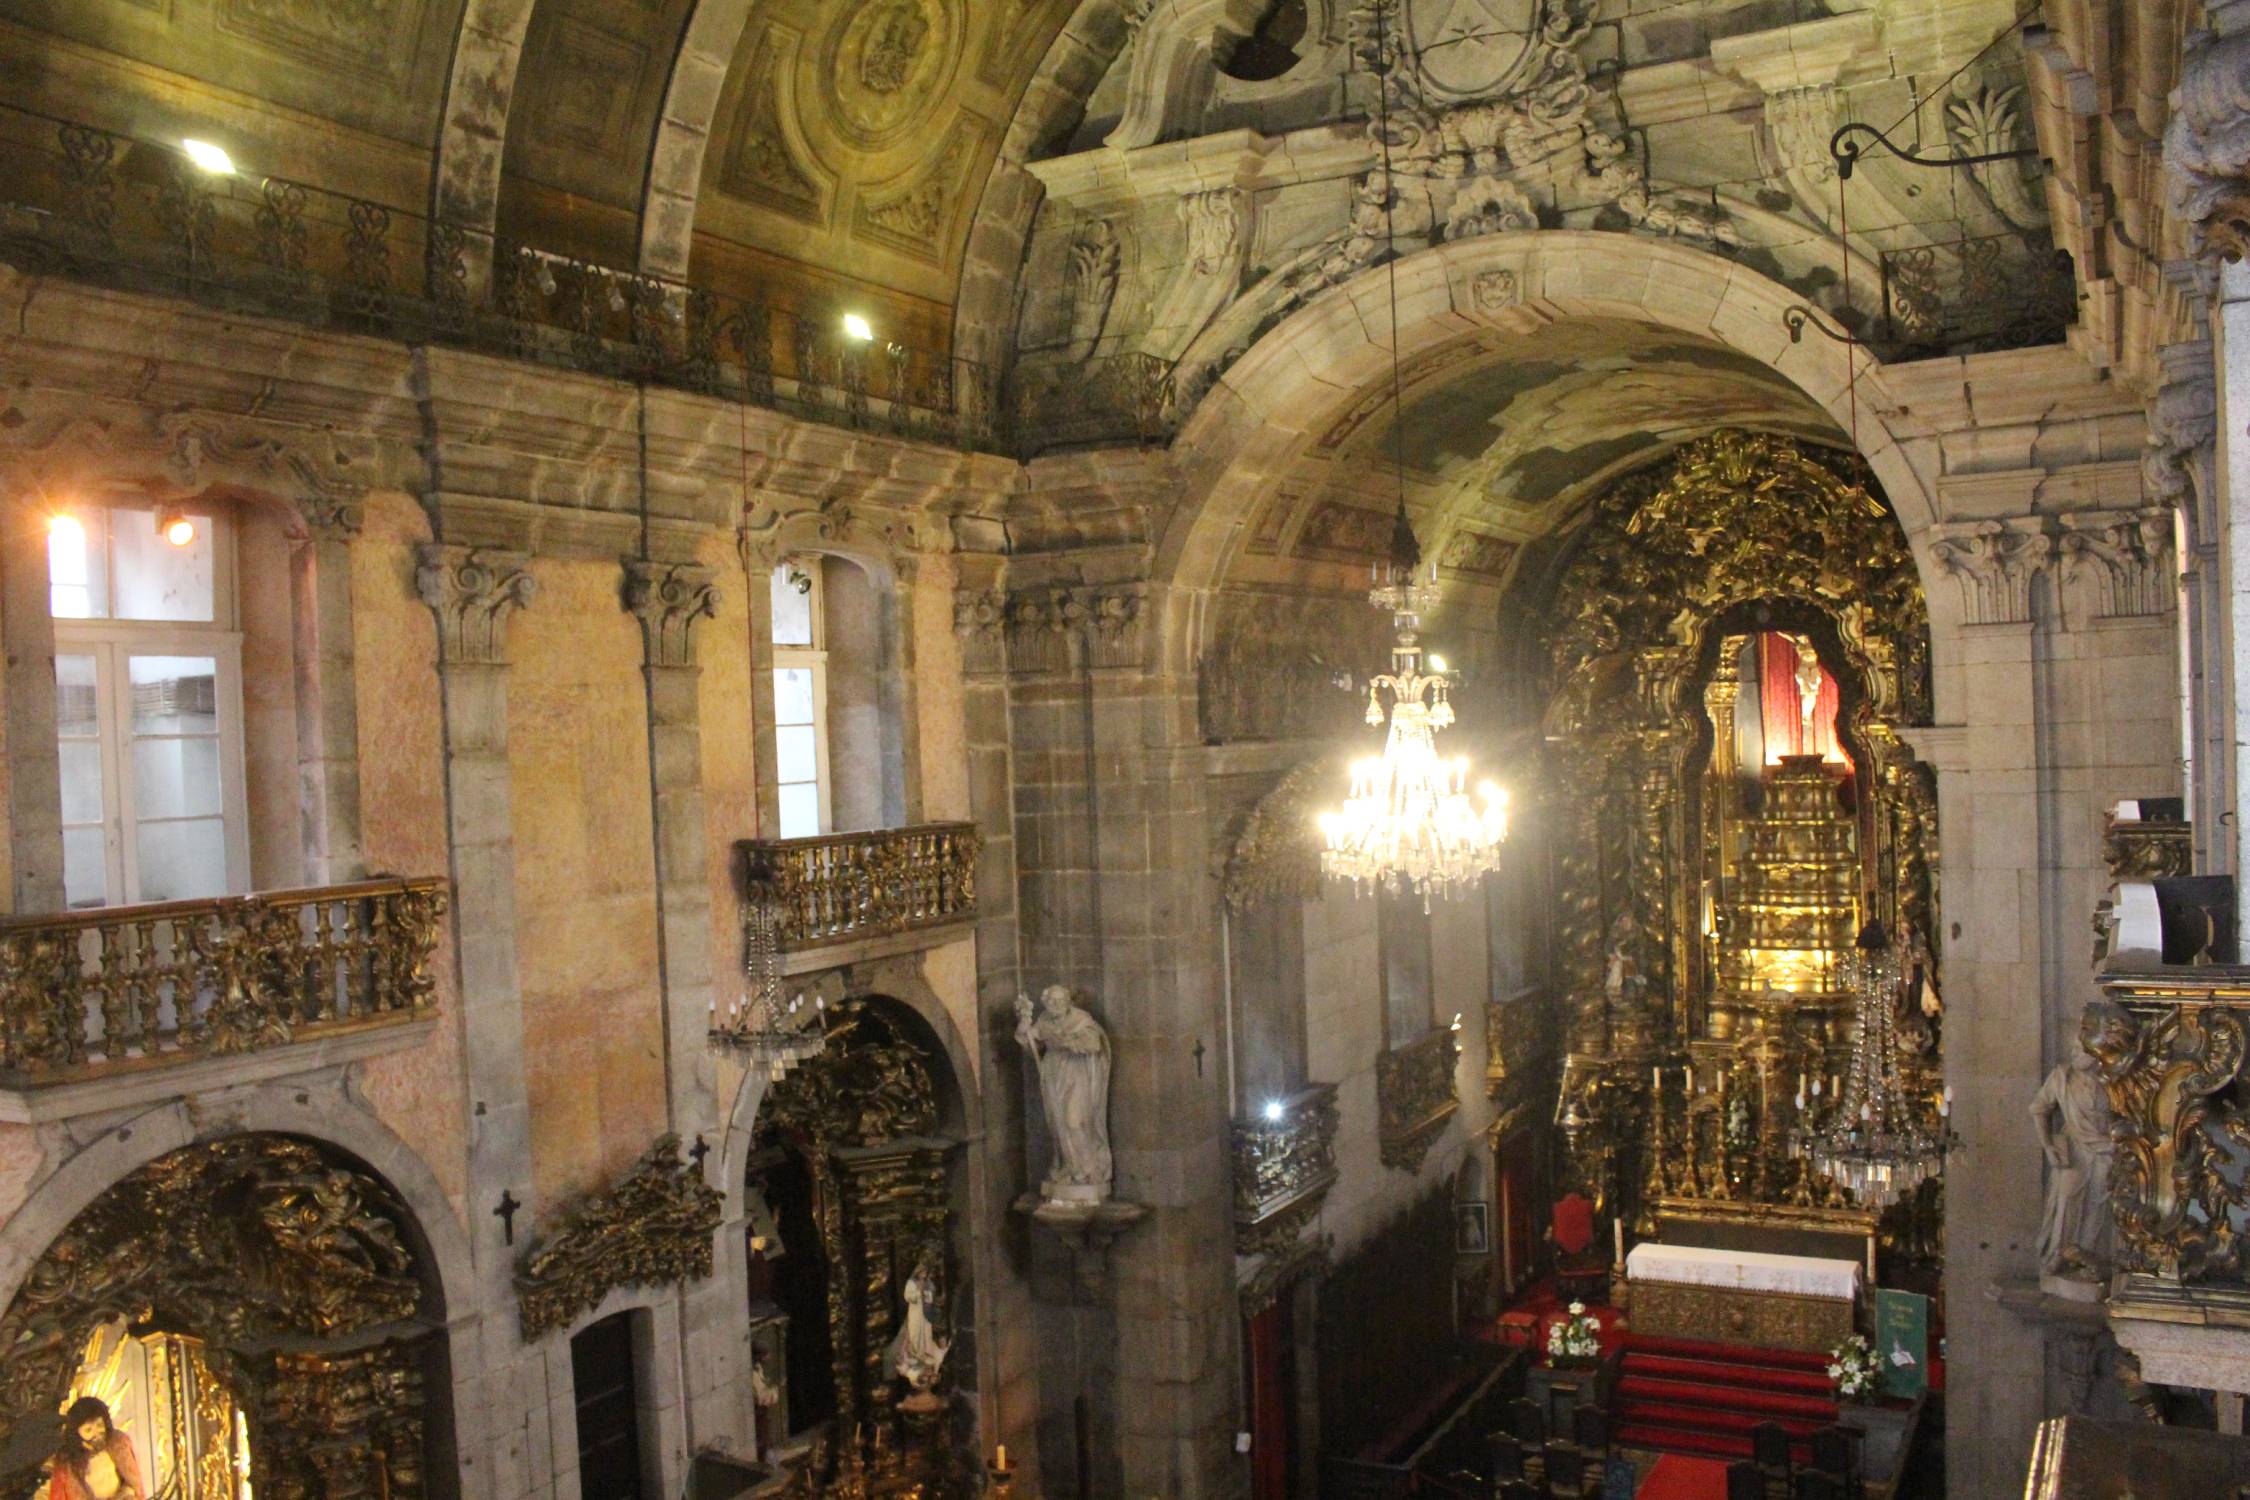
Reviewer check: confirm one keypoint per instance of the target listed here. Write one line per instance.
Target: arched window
(839, 741)
(148, 703)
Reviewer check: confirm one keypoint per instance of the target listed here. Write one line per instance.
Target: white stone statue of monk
(2071, 1112)
(1072, 1053)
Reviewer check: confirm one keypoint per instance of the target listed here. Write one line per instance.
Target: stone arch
(683, 133)
(276, 1109)
(473, 127)
(984, 315)
(341, 1280)
(1270, 403)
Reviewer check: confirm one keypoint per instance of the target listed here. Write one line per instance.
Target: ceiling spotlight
(175, 527)
(209, 158)
(1273, 1109)
(858, 329)
(1437, 663)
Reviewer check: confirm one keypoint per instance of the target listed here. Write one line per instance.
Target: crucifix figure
(506, 1214)
(699, 1150)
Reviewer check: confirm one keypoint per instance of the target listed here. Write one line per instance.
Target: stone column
(503, 1438)
(2207, 170)
(327, 697)
(1114, 896)
(27, 638)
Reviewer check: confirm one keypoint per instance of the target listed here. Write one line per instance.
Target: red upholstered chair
(1581, 1263)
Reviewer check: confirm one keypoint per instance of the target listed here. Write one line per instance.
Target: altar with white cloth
(1742, 1296)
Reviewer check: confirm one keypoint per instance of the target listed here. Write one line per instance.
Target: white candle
(1000, 1457)
(1617, 1226)
(1656, 1078)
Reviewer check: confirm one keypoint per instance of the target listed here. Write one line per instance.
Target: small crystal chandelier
(764, 1023)
(1876, 1144)
(1409, 823)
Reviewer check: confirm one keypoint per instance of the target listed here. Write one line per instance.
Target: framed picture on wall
(1472, 1229)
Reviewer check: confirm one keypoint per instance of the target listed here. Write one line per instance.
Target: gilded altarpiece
(1701, 901)
(259, 1274)
(863, 1118)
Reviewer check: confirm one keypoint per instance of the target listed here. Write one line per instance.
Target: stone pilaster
(27, 640)
(473, 591)
(2180, 470)
(670, 600)
(327, 696)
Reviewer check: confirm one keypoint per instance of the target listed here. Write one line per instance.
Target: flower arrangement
(1578, 1336)
(1854, 1368)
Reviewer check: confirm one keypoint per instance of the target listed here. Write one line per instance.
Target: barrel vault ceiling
(836, 144)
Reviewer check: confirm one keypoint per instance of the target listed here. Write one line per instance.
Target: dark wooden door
(1269, 1367)
(609, 1431)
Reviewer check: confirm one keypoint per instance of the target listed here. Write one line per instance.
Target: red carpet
(1677, 1477)
(1680, 1396)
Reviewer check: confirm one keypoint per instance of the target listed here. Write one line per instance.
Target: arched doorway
(261, 1305)
(854, 1186)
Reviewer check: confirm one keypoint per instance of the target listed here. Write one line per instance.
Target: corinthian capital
(471, 590)
(669, 598)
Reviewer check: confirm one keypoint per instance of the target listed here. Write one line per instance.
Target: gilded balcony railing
(84, 994)
(852, 887)
(1415, 1096)
(1284, 1164)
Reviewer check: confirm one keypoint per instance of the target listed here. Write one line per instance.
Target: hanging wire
(1406, 552)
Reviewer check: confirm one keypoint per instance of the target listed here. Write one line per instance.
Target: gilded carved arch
(299, 1272)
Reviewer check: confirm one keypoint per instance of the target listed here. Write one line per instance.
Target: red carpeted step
(1688, 1440)
(1729, 1372)
(1739, 1354)
(1714, 1419)
(1634, 1388)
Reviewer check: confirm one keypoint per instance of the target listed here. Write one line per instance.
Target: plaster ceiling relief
(919, 212)
(869, 125)
(886, 66)
(767, 160)
(588, 92)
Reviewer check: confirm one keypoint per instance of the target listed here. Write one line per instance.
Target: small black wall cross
(1199, 1057)
(506, 1214)
(699, 1150)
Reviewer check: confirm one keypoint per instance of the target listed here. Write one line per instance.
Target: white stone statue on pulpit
(2071, 1112)
(1072, 1054)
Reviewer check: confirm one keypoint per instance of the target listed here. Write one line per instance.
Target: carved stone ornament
(1494, 291)
(244, 1240)
(472, 590)
(1415, 1096)
(669, 599)
(1093, 285)
(2148, 851)
(1283, 1169)
(1276, 854)
(1282, 1268)
(652, 1228)
(2207, 143)
(186, 453)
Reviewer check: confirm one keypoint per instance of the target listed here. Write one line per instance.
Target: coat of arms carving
(1472, 49)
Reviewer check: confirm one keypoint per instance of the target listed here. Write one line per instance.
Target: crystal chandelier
(764, 1024)
(1876, 1143)
(1408, 823)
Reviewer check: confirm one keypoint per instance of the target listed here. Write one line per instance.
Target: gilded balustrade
(1284, 1164)
(853, 887)
(88, 993)
(1415, 1096)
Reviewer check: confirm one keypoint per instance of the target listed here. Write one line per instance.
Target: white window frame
(815, 659)
(111, 642)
